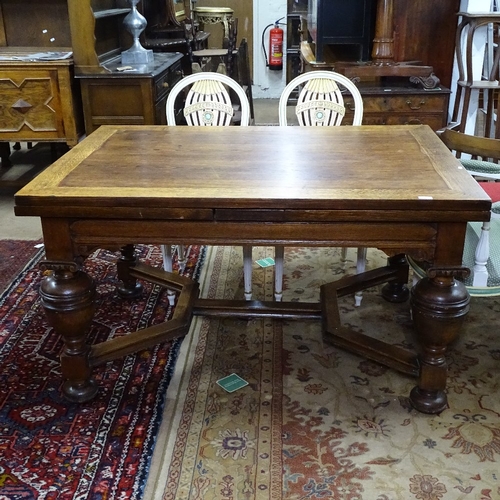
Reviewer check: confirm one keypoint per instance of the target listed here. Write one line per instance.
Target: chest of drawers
(130, 97)
(402, 105)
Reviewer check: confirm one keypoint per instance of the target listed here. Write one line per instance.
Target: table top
(347, 169)
(213, 10)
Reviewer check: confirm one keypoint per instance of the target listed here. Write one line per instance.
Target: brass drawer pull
(165, 85)
(349, 105)
(414, 121)
(414, 108)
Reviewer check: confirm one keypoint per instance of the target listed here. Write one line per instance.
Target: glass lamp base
(137, 55)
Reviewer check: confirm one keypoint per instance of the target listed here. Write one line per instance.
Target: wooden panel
(425, 31)
(36, 23)
(30, 99)
(116, 101)
(39, 101)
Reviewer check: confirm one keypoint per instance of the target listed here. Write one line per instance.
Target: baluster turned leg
(397, 291)
(439, 306)
(67, 296)
(130, 288)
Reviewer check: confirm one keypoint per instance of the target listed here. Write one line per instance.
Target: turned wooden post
(383, 43)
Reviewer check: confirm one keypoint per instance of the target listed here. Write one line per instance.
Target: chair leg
(247, 271)
(343, 255)
(480, 277)
(465, 109)
(279, 253)
(181, 257)
(360, 268)
(489, 119)
(166, 251)
(456, 108)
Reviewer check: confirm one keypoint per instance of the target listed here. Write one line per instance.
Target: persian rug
(315, 421)
(15, 255)
(53, 449)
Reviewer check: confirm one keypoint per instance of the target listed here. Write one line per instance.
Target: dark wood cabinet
(345, 26)
(118, 98)
(394, 103)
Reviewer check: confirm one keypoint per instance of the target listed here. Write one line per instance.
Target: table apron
(387, 234)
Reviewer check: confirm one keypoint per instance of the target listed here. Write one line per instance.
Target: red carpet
(53, 449)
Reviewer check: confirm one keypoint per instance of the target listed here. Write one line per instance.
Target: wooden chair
(226, 55)
(481, 251)
(320, 103)
(243, 73)
(208, 103)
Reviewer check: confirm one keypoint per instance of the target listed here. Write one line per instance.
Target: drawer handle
(165, 85)
(349, 105)
(414, 108)
(414, 121)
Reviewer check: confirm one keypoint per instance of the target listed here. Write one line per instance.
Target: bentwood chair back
(320, 103)
(208, 104)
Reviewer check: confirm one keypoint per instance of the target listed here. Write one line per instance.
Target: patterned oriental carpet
(52, 449)
(317, 422)
(14, 256)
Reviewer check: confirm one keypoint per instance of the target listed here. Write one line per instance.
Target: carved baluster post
(68, 295)
(439, 306)
(383, 43)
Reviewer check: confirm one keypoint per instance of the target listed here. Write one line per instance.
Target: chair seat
(481, 167)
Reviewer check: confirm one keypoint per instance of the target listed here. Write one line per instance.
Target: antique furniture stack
(400, 53)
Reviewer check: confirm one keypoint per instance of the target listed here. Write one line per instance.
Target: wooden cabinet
(118, 98)
(347, 26)
(110, 94)
(39, 98)
(393, 104)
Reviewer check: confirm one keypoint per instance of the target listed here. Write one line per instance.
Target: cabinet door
(120, 101)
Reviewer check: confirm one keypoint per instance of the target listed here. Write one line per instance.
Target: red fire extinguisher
(275, 61)
(276, 48)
